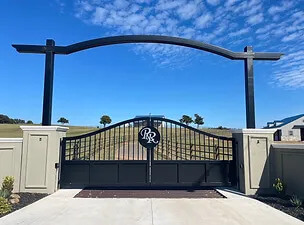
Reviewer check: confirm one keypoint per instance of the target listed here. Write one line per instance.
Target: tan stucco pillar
(40, 153)
(253, 148)
(10, 159)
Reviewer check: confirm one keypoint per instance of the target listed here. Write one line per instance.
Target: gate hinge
(56, 165)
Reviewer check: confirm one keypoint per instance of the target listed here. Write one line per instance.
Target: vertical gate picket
(181, 155)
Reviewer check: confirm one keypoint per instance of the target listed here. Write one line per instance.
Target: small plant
(5, 207)
(279, 186)
(8, 184)
(5, 194)
(295, 201)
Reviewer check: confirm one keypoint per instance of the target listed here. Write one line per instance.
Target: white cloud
(239, 32)
(265, 28)
(290, 72)
(275, 26)
(203, 21)
(283, 7)
(230, 3)
(292, 37)
(188, 11)
(121, 4)
(253, 9)
(213, 2)
(99, 15)
(292, 78)
(168, 4)
(255, 19)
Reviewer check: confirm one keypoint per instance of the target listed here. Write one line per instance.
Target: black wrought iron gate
(113, 157)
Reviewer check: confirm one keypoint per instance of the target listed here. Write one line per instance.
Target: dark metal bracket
(50, 49)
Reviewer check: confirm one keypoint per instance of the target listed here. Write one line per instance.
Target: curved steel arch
(80, 46)
(50, 49)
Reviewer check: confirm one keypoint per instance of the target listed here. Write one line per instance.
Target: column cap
(253, 131)
(8, 140)
(44, 128)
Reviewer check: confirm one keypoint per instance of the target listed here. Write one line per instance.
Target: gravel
(282, 204)
(89, 193)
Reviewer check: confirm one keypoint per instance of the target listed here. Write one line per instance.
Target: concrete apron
(62, 208)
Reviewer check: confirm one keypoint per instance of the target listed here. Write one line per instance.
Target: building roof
(285, 121)
(153, 116)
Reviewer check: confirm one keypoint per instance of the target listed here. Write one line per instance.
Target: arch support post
(249, 89)
(48, 83)
(50, 50)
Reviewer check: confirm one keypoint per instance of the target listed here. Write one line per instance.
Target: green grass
(175, 143)
(14, 131)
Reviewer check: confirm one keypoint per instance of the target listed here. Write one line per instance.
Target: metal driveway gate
(115, 157)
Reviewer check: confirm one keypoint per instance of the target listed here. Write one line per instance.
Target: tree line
(4, 119)
(104, 120)
(198, 120)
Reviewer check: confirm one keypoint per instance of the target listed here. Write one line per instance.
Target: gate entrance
(113, 157)
(50, 50)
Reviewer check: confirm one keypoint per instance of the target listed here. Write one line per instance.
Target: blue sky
(135, 79)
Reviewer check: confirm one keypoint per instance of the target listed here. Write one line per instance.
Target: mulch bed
(282, 204)
(87, 193)
(26, 199)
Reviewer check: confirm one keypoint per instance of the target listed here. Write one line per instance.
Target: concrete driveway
(62, 208)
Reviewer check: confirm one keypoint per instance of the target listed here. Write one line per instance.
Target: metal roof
(285, 121)
(153, 116)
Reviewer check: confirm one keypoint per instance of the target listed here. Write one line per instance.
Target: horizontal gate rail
(115, 142)
(183, 142)
(113, 156)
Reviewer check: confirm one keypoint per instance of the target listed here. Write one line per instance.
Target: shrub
(8, 184)
(5, 194)
(279, 186)
(295, 201)
(29, 122)
(5, 207)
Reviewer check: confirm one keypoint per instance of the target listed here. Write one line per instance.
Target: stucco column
(40, 155)
(10, 159)
(253, 147)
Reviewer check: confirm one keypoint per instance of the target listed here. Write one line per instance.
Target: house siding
(289, 127)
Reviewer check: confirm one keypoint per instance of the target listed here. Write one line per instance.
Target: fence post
(253, 165)
(40, 155)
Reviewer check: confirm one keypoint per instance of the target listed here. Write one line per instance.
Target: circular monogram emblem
(149, 137)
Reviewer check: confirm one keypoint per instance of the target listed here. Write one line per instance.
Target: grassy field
(176, 144)
(122, 143)
(14, 131)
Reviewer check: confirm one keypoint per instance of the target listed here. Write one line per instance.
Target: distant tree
(62, 120)
(105, 119)
(198, 120)
(29, 122)
(19, 121)
(186, 119)
(223, 128)
(5, 119)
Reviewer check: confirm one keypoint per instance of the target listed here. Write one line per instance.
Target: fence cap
(288, 145)
(44, 128)
(254, 131)
(10, 140)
